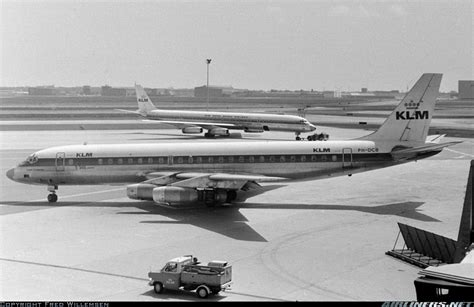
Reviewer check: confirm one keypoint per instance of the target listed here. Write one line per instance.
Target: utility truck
(188, 274)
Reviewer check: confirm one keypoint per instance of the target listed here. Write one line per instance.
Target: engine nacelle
(173, 195)
(142, 191)
(219, 131)
(253, 129)
(193, 130)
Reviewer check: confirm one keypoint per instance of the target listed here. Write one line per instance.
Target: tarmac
(322, 240)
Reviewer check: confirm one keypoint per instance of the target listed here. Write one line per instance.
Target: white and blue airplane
(219, 123)
(217, 173)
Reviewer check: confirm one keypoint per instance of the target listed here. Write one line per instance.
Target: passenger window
(334, 158)
(120, 161)
(180, 160)
(292, 158)
(262, 159)
(282, 158)
(303, 158)
(110, 161)
(231, 159)
(272, 159)
(199, 160)
(221, 159)
(100, 161)
(324, 158)
(210, 160)
(313, 158)
(140, 160)
(241, 159)
(190, 160)
(130, 161)
(251, 159)
(161, 160)
(150, 160)
(70, 162)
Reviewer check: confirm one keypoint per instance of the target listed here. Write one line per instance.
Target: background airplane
(219, 123)
(217, 173)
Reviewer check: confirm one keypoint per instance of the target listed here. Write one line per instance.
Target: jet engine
(193, 130)
(253, 129)
(142, 191)
(178, 195)
(173, 195)
(219, 131)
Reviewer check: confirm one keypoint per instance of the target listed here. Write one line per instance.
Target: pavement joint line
(68, 196)
(72, 268)
(460, 152)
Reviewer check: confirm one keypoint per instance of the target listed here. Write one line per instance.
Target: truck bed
(201, 274)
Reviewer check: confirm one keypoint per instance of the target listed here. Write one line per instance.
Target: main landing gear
(52, 197)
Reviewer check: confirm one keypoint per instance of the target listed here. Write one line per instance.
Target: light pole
(208, 61)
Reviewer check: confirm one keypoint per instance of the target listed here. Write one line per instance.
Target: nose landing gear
(52, 197)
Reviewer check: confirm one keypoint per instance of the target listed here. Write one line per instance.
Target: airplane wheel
(298, 138)
(52, 198)
(310, 138)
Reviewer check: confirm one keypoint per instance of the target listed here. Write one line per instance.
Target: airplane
(219, 123)
(221, 173)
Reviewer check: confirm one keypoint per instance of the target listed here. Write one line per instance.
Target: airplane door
(347, 158)
(170, 160)
(60, 160)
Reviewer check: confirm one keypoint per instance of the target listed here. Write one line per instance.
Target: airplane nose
(10, 173)
(312, 127)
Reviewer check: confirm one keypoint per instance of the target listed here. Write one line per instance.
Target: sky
(257, 45)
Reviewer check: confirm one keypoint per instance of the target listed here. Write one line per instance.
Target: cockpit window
(31, 160)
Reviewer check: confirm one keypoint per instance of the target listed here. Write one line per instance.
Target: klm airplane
(218, 173)
(219, 123)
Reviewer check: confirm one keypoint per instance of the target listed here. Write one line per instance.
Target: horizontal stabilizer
(129, 111)
(415, 151)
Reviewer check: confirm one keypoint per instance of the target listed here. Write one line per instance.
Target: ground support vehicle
(188, 274)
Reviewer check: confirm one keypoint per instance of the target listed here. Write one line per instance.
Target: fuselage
(234, 120)
(130, 163)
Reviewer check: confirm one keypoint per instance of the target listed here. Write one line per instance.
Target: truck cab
(171, 272)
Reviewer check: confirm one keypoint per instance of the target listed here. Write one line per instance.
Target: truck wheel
(202, 291)
(158, 287)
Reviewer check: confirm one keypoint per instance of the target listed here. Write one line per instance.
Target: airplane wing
(244, 185)
(204, 180)
(183, 124)
(205, 125)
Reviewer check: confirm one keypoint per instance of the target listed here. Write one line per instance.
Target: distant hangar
(466, 89)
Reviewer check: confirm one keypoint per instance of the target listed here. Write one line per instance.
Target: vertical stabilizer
(411, 119)
(144, 103)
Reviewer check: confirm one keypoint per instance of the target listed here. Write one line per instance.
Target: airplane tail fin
(411, 119)
(144, 103)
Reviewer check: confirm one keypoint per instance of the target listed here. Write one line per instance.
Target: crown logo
(412, 104)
